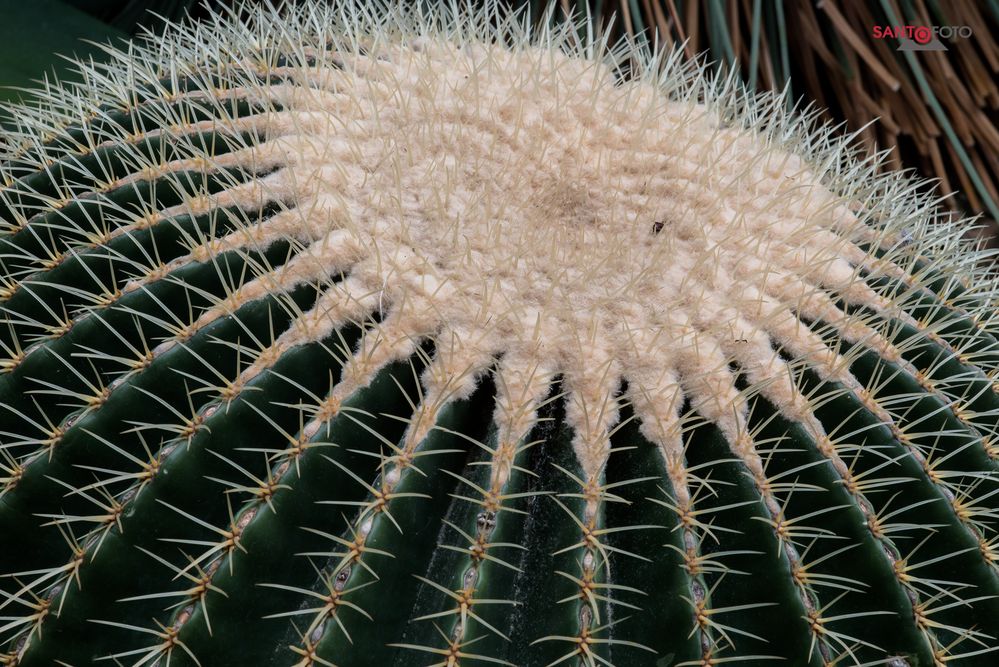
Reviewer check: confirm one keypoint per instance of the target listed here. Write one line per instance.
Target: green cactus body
(357, 335)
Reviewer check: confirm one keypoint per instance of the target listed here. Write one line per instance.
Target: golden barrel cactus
(370, 334)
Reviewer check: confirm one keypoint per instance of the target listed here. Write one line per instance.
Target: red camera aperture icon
(922, 34)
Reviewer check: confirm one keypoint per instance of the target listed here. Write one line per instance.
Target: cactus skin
(253, 414)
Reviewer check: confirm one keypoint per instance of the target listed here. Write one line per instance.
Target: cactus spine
(368, 335)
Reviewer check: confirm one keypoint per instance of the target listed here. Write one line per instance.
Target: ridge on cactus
(370, 334)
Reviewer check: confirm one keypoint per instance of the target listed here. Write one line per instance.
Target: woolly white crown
(516, 198)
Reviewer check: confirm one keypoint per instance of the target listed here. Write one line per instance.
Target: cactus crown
(363, 334)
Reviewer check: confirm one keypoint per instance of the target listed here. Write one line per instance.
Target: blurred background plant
(936, 109)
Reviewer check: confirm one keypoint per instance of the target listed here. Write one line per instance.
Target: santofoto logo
(921, 37)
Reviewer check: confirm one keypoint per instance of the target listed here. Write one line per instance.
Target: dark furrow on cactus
(45, 407)
(788, 528)
(539, 590)
(929, 426)
(154, 387)
(351, 550)
(578, 604)
(30, 307)
(238, 569)
(965, 386)
(658, 566)
(94, 173)
(97, 149)
(135, 531)
(366, 337)
(248, 529)
(83, 435)
(36, 240)
(739, 534)
(955, 332)
(852, 602)
(108, 270)
(399, 527)
(923, 425)
(681, 488)
(100, 161)
(914, 520)
(483, 549)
